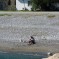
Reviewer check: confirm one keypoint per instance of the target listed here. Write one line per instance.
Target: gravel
(20, 26)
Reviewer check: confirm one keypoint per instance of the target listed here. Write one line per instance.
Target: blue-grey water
(5, 55)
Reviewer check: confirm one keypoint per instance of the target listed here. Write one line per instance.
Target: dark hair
(33, 40)
(32, 37)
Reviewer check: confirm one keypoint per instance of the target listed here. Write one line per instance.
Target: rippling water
(5, 55)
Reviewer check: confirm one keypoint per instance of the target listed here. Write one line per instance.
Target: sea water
(5, 55)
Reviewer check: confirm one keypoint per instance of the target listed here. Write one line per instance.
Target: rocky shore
(55, 56)
(17, 26)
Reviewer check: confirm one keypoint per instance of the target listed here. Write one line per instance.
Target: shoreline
(28, 49)
(24, 47)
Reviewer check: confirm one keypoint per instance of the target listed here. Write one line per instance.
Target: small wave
(30, 54)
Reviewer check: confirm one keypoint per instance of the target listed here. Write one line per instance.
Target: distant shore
(15, 26)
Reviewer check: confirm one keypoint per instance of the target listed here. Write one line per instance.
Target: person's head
(32, 37)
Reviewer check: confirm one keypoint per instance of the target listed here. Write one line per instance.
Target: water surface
(5, 55)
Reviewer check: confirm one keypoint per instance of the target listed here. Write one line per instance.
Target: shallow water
(5, 55)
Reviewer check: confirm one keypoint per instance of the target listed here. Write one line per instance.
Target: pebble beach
(17, 26)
